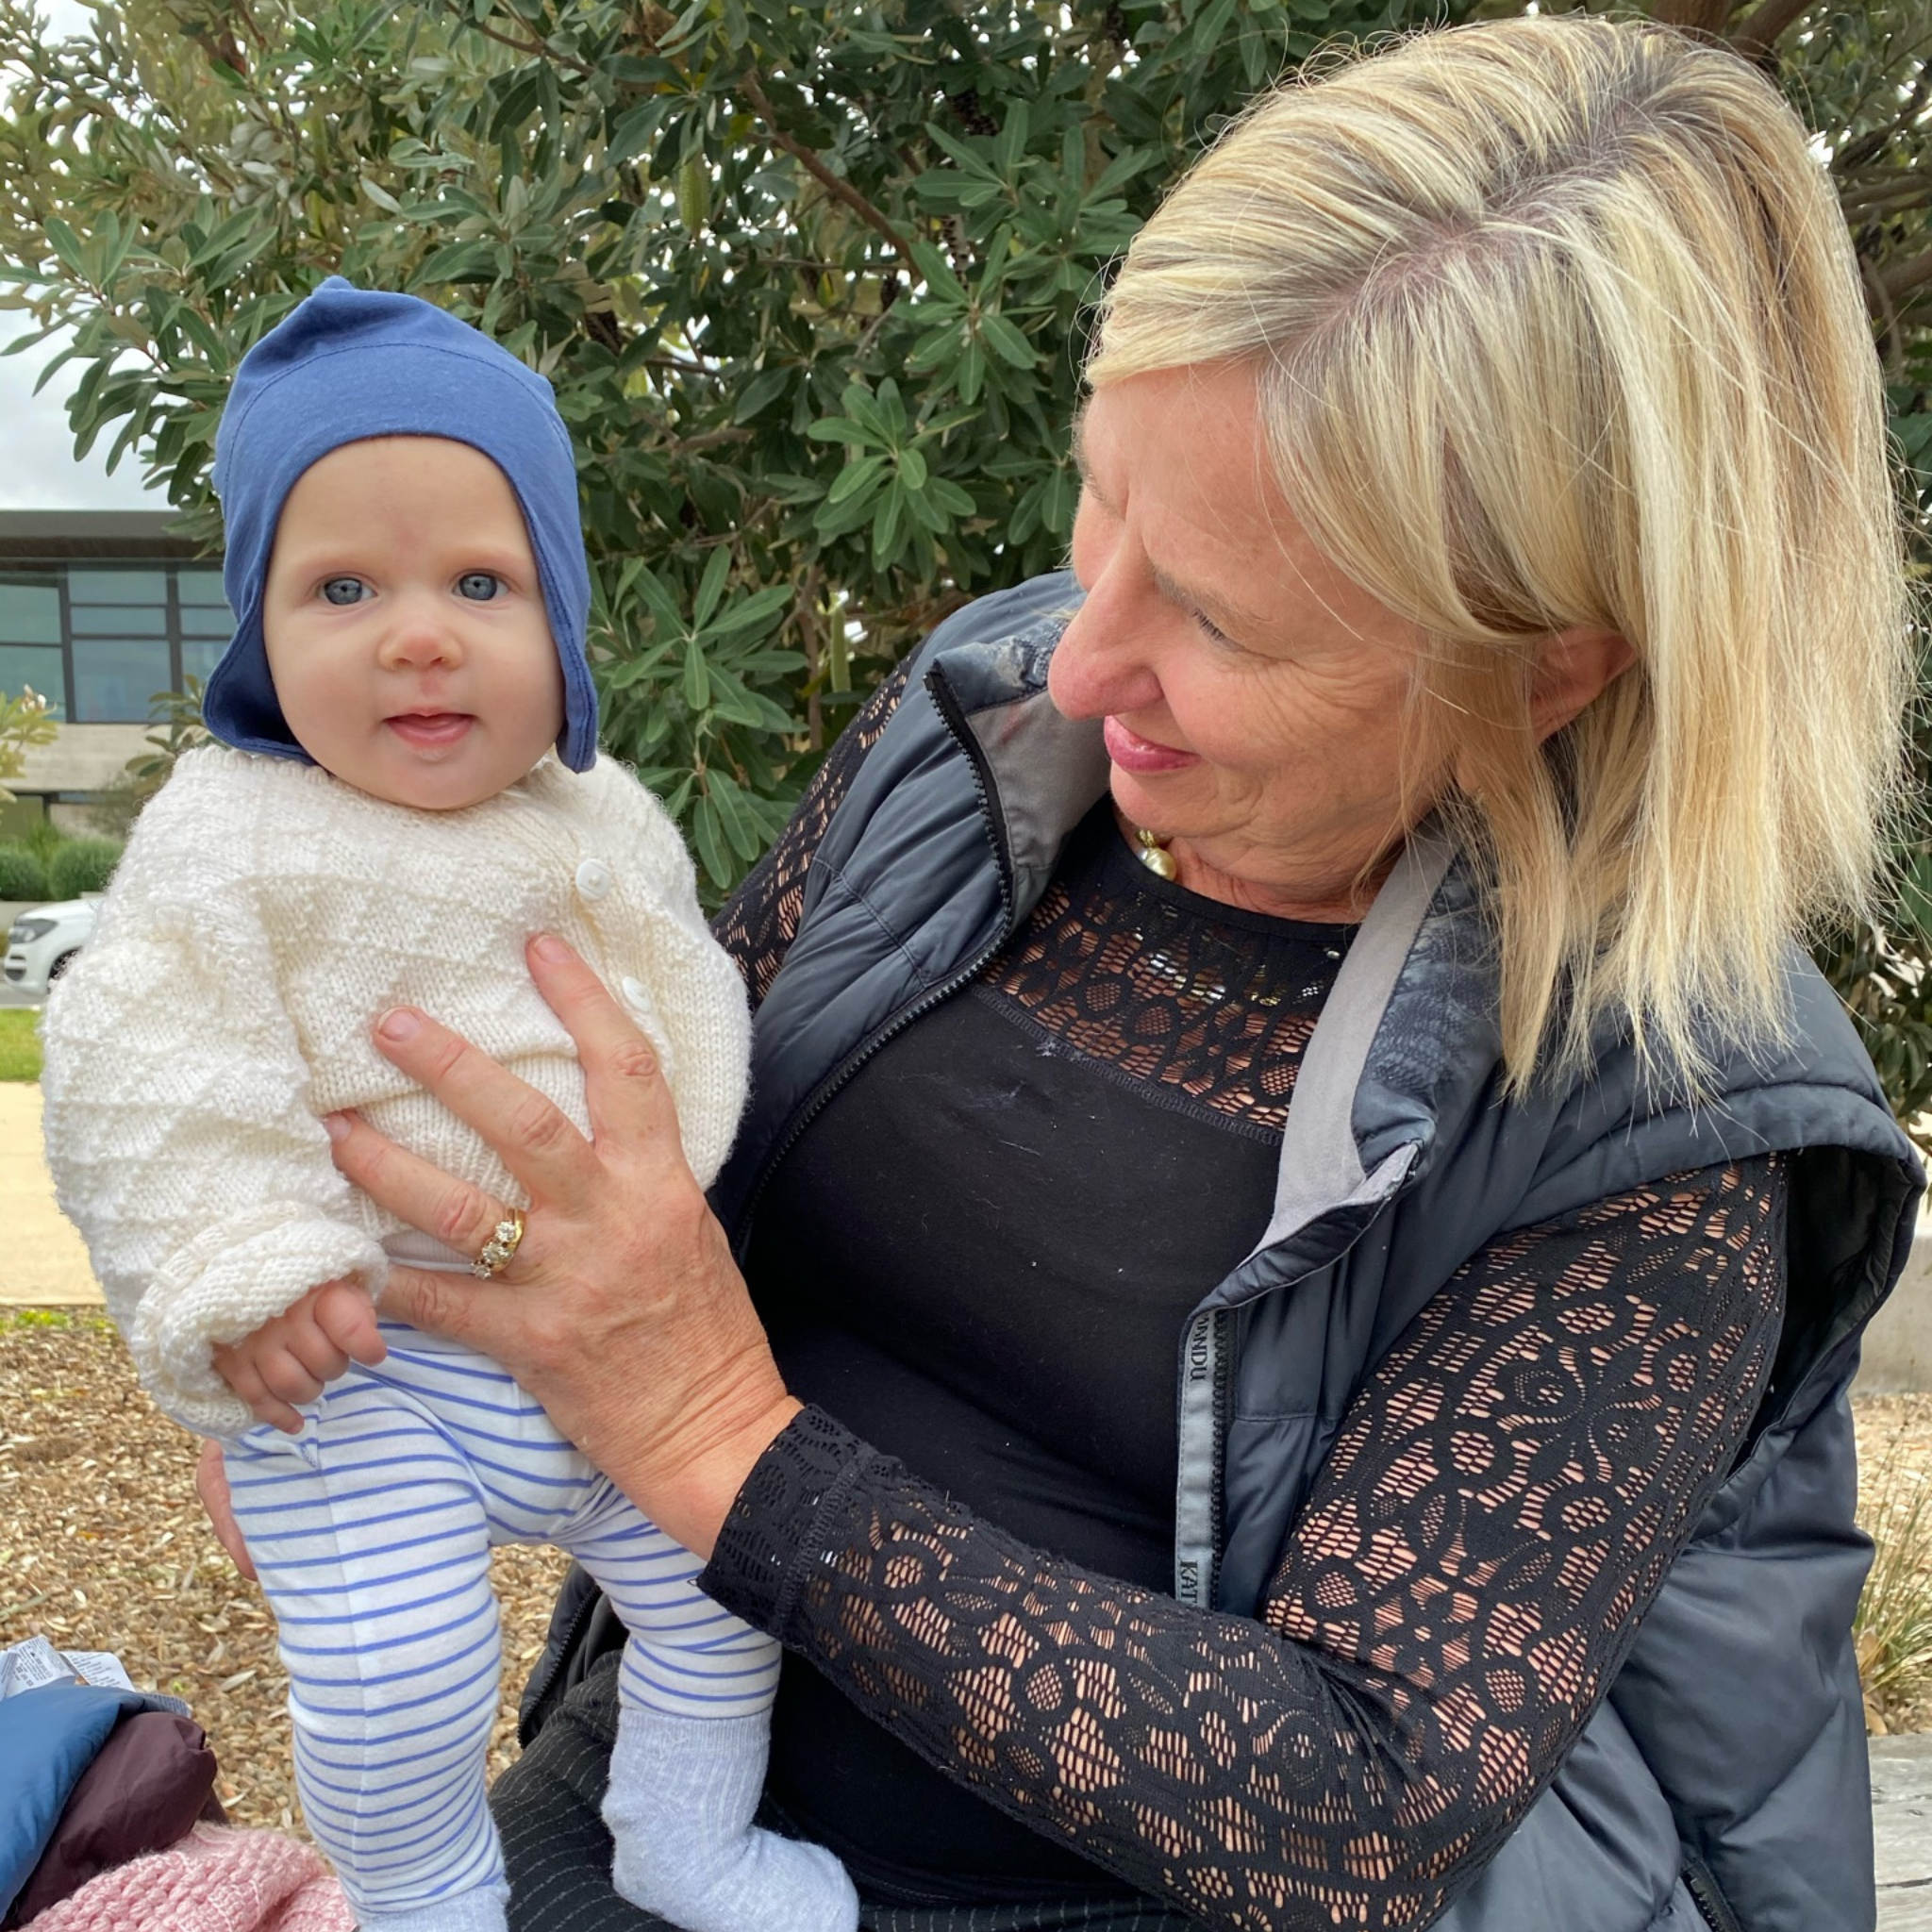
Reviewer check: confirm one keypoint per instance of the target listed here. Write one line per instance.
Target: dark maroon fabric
(147, 1785)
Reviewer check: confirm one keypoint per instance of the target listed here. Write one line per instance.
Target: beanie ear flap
(239, 703)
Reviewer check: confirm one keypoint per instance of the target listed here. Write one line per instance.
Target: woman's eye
(1213, 632)
(478, 586)
(345, 590)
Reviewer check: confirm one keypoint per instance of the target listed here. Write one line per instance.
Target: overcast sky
(37, 466)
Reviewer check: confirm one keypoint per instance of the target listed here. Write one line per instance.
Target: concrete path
(1901, 1823)
(43, 1262)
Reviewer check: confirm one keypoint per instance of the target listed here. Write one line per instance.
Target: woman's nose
(1102, 665)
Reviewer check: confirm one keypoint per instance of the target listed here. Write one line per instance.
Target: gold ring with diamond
(501, 1247)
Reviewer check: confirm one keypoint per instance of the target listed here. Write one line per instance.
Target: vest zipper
(955, 721)
(1712, 1907)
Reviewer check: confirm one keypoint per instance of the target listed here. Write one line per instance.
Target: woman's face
(1252, 696)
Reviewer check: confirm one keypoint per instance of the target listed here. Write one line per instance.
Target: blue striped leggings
(371, 1532)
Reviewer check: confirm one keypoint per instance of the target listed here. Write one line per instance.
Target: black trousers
(547, 1808)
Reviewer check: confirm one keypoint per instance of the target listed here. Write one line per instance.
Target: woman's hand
(211, 1486)
(623, 1312)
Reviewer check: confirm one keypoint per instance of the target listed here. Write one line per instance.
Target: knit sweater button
(635, 995)
(594, 878)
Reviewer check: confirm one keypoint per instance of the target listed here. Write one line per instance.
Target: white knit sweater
(264, 915)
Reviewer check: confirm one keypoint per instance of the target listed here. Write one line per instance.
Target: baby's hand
(290, 1358)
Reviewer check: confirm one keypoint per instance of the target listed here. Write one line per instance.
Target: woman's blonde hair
(1557, 324)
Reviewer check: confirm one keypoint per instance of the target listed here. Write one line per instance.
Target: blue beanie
(350, 364)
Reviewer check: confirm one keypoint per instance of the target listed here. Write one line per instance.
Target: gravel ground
(103, 1546)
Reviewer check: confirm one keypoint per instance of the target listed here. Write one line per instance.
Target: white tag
(34, 1663)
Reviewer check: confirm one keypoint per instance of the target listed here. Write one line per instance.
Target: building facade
(100, 610)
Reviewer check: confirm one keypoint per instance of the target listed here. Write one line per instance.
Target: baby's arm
(179, 1123)
(292, 1357)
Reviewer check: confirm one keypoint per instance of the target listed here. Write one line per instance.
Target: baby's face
(405, 624)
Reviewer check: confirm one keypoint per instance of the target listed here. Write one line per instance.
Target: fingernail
(399, 1022)
(548, 947)
(336, 1126)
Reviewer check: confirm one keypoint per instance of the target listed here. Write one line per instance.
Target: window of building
(206, 622)
(31, 656)
(100, 642)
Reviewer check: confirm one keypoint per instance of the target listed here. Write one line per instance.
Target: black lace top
(1498, 1511)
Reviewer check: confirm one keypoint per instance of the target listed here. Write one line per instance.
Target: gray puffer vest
(1723, 1781)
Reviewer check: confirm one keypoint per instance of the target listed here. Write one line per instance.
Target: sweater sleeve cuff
(784, 1520)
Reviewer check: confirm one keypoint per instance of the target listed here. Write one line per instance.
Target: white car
(43, 942)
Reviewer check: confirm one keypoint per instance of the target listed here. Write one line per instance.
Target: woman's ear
(1574, 667)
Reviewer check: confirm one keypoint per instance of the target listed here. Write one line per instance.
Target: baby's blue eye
(478, 586)
(345, 590)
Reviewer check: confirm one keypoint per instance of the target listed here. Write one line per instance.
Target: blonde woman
(1308, 1218)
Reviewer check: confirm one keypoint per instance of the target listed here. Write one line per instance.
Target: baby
(408, 788)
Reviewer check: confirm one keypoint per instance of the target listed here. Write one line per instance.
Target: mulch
(104, 1546)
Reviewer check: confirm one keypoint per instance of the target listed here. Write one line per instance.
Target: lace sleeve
(759, 922)
(1496, 1515)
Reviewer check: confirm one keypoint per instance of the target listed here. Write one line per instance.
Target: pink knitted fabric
(215, 1880)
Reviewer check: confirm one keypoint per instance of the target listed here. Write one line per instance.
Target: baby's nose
(420, 637)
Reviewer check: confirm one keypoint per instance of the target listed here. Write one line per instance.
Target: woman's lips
(431, 730)
(1133, 753)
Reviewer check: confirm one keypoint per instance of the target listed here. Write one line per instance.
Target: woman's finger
(460, 1216)
(529, 1133)
(211, 1486)
(488, 1316)
(624, 1084)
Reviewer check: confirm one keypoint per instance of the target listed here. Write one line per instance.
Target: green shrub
(83, 865)
(43, 838)
(23, 874)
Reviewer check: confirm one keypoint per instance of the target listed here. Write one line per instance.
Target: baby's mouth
(430, 730)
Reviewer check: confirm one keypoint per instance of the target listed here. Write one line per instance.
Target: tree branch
(838, 188)
(1694, 16)
(1756, 34)
(539, 50)
(1903, 278)
(1869, 146)
(1892, 344)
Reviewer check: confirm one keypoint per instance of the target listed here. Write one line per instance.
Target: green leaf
(887, 526)
(761, 392)
(1005, 342)
(855, 480)
(666, 618)
(841, 429)
(749, 614)
(711, 587)
(697, 681)
(66, 244)
(739, 828)
(708, 835)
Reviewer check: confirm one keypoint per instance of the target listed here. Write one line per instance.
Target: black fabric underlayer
(1030, 1209)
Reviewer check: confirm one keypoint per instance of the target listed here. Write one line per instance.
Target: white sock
(481, 1910)
(680, 1808)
